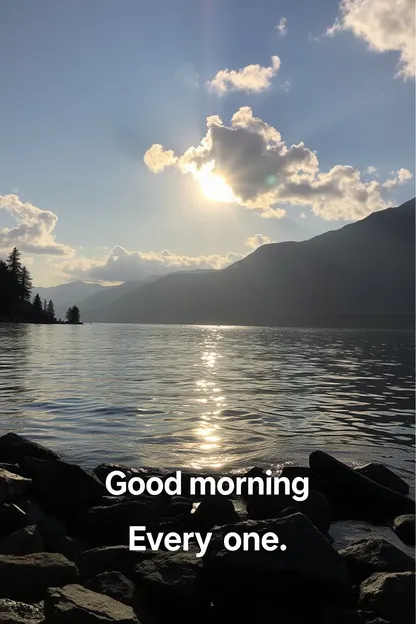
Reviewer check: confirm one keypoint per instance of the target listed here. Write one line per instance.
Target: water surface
(210, 397)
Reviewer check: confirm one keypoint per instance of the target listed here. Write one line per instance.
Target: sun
(213, 185)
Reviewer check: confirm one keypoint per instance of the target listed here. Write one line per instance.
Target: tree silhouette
(50, 310)
(37, 304)
(14, 263)
(25, 282)
(73, 315)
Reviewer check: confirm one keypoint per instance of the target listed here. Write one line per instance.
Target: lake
(210, 397)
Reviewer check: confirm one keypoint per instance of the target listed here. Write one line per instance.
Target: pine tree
(14, 263)
(25, 283)
(45, 306)
(73, 315)
(51, 310)
(37, 304)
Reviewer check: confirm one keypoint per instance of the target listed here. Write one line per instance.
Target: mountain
(65, 295)
(362, 275)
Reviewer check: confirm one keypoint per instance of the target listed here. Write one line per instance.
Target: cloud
(253, 78)
(400, 177)
(281, 27)
(34, 232)
(372, 170)
(264, 174)
(384, 25)
(121, 265)
(258, 240)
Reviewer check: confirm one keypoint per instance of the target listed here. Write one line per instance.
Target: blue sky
(88, 87)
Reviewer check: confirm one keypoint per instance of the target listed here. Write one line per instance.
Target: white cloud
(286, 86)
(258, 240)
(384, 25)
(400, 177)
(372, 170)
(34, 232)
(253, 78)
(264, 173)
(281, 27)
(121, 265)
(157, 158)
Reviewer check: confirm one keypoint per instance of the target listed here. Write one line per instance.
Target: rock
(23, 542)
(354, 496)
(108, 559)
(14, 448)
(107, 526)
(103, 470)
(318, 509)
(75, 604)
(12, 518)
(384, 476)
(70, 547)
(27, 578)
(12, 485)
(48, 525)
(15, 468)
(341, 616)
(404, 527)
(62, 488)
(390, 596)
(170, 582)
(309, 561)
(293, 472)
(12, 612)
(214, 511)
(178, 506)
(252, 473)
(114, 585)
(374, 554)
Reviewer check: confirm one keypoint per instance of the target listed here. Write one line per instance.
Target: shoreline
(55, 515)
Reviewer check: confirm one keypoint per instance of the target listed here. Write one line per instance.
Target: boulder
(384, 476)
(12, 518)
(12, 486)
(352, 495)
(23, 542)
(114, 585)
(103, 470)
(14, 448)
(12, 612)
(213, 511)
(47, 524)
(62, 488)
(107, 526)
(70, 547)
(75, 604)
(309, 561)
(178, 506)
(27, 578)
(108, 559)
(374, 554)
(170, 582)
(390, 596)
(404, 527)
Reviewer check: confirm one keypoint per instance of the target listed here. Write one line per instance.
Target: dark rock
(70, 547)
(318, 509)
(404, 527)
(214, 511)
(390, 596)
(75, 604)
(294, 472)
(108, 559)
(178, 506)
(254, 472)
(384, 476)
(23, 542)
(107, 526)
(354, 496)
(12, 485)
(171, 582)
(27, 578)
(12, 518)
(374, 554)
(341, 616)
(103, 470)
(14, 448)
(12, 612)
(47, 524)
(63, 488)
(114, 585)
(15, 468)
(309, 561)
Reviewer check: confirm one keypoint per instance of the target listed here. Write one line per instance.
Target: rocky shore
(65, 557)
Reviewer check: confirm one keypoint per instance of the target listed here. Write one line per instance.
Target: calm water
(224, 397)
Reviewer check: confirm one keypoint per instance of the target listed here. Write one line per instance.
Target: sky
(140, 137)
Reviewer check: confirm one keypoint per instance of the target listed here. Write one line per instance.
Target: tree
(45, 306)
(50, 310)
(14, 263)
(37, 304)
(25, 282)
(73, 315)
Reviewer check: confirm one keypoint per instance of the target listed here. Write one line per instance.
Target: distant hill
(362, 275)
(65, 295)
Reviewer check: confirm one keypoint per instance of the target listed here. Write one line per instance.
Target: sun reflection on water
(209, 448)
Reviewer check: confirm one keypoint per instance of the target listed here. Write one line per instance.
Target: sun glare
(213, 185)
